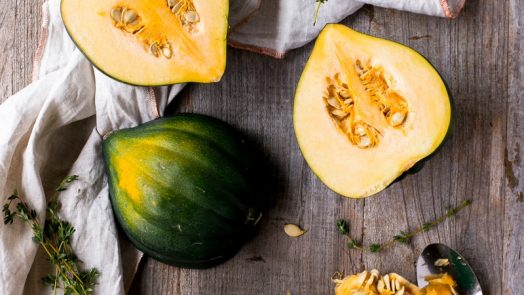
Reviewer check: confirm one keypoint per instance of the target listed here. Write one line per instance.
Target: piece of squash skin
(217, 77)
(417, 166)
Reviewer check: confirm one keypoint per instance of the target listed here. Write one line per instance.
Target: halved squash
(366, 110)
(151, 42)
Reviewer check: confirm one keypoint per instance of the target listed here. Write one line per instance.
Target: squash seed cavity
(340, 102)
(392, 105)
(128, 20)
(186, 13)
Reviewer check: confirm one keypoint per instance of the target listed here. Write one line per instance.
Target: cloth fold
(55, 126)
(278, 26)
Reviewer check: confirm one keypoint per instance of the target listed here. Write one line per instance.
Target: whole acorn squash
(184, 189)
(368, 110)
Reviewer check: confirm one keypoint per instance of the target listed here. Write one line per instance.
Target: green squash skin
(199, 189)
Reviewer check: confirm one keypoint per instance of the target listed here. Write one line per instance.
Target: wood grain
(479, 55)
(20, 22)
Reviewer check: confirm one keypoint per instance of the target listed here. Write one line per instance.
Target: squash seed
(332, 101)
(166, 51)
(293, 230)
(397, 119)
(339, 113)
(360, 130)
(176, 7)
(191, 17)
(344, 93)
(171, 3)
(130, 17)
(154, 49)
(364, 142)
(116, 14)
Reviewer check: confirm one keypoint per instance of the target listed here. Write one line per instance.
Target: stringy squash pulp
(366, 110)
(373, 283)
(151, 42)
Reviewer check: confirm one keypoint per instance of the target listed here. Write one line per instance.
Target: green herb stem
(402, 237)
(319, 3)
(55, 239)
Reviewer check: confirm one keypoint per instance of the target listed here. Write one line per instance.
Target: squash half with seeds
(151, 42)
(367, 110)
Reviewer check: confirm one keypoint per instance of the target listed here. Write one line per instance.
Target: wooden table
(479, 55)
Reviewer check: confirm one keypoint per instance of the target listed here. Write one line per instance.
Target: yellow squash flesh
(182, 53)
(372, 283)
(356, 166)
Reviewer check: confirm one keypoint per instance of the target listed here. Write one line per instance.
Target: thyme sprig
(402, 237)
(55, 239)
(319, 3)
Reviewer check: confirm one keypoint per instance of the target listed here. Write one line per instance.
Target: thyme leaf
(342, 226)
(54, 236)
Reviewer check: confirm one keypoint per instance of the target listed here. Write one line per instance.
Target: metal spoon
(458, 268)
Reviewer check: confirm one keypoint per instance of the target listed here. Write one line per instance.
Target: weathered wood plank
(20, 23)
(472, 55)
(513, 272)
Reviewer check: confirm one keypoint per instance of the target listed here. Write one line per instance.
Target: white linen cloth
(55, 126)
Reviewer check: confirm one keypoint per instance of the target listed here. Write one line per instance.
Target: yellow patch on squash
(128, 160)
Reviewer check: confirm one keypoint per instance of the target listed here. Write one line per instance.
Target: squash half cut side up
(151, 42)
(366, 110)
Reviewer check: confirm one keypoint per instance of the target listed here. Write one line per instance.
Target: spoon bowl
(439, 259)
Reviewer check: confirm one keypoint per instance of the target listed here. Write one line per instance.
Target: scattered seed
(171, 3)
(442, 262)
(293, 230)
